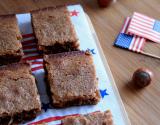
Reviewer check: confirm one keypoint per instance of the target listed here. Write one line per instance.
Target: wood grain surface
(142, 105)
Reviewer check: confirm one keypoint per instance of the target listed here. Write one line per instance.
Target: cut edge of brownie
(59, 48)
(20, 117)
(84, 100)
(78, 101)
(64, 54)
(11, 58)
(102, 118)
(24, 116)
(17, 67)
(72, 45)
(18, 35)
(48, 8)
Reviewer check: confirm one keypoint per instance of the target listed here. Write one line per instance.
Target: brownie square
(72, 79)
(97, 118)
(19, 98)
(10, 46)
(54, 30)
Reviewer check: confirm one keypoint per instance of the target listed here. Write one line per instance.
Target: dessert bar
(10, 45)
(97, 118)
(54, 30)
(72, 78)
(19, 98)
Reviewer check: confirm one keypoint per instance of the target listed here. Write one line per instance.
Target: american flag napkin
(31, 53)
(145, 27)
(129, 41)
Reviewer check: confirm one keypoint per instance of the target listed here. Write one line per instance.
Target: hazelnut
(142, 77)
(104, 3)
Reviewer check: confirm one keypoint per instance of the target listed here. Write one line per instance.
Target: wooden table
(143, 106)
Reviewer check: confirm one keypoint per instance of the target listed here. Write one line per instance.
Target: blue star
(46, 106)
(103, 93)
(91, 50)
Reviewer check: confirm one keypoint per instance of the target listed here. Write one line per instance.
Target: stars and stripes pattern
(74, 13)
(52, 120)
(56, 120)
(31, 53)
(103, 93)
(145, 27)
(129, 41)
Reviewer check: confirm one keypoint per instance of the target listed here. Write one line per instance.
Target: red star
(74, 13)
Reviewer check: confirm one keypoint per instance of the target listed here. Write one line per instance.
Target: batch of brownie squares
(70, 72)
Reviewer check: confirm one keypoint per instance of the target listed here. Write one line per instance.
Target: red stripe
(27, 35)
(33, 58)
(37, 68)
(137, 47)
(135, 38)
(28, 42)
(125, 25)
(30, 47)
(140, 20)
(131, 44)
(141, 24)
(147, 34)
(136, 42)
(143, 28)
(143, 34)
(134, 29)
(31, 52)
(129, 20)
(38, 62)
(142, 42)
(50, 119)
(143, 17)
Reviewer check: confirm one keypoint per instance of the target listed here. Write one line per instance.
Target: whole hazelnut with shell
(104, 3)
(142, 77)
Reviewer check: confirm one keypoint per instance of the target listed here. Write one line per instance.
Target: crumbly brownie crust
(10, 37)
(72, 78)
(19, 98)
(97, 118)
(53, 26)
(11, 58)
(59, 48)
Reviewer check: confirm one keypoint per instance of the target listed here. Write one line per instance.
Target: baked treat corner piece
(72, 79)
(10, 46)
(97, 118)
(19, 98)
(54, 30)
